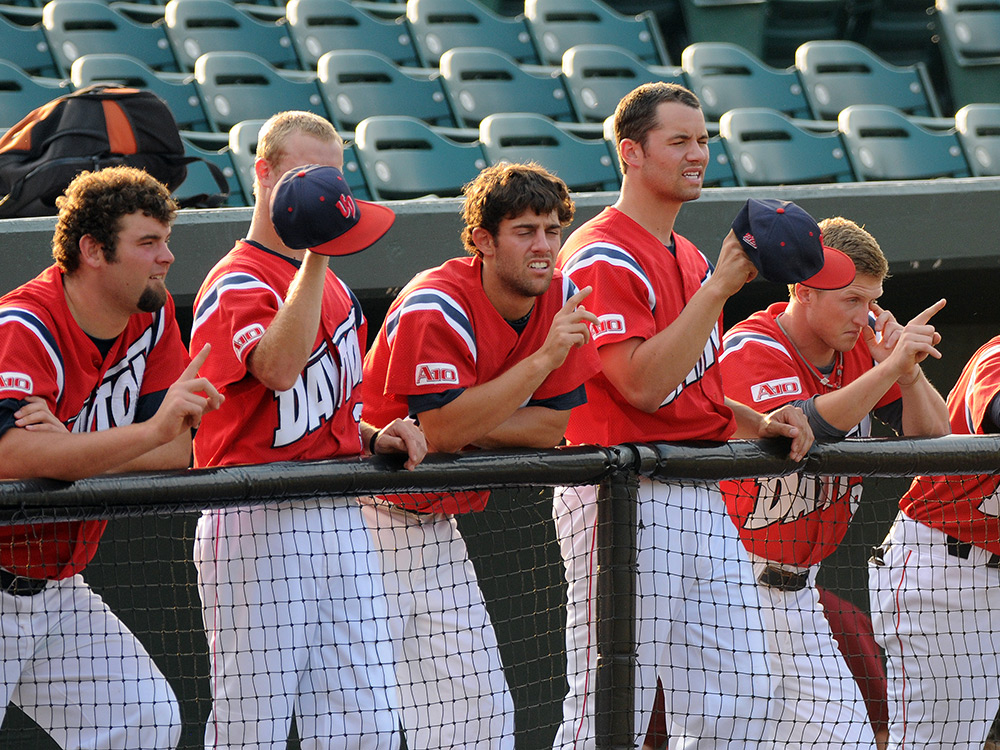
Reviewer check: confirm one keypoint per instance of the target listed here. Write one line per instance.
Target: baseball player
(659, 303)
(93, 378)
(817, 351)
(935, 588)
(291, 592)
(490, 350)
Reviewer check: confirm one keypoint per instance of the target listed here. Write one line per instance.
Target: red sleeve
(983, 386)
(758, 373)
(30, 365)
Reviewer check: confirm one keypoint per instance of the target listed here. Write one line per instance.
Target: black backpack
(98, 126)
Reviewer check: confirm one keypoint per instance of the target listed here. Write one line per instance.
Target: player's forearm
(283, 351)
(72, 456)
(925, 413)
(482, 408)
(846, 407)
(653, 369)
(528, 427)
(173, 455)
(748, 420)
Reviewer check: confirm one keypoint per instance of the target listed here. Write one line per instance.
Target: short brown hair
(505, 191)
(94, 203)
(272, 134)
(857, 244)
(635, 114)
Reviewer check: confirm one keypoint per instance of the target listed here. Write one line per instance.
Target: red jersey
(640, 288)
(442, 333)
(798, 519)
(316, 418)
(965, 507)
(45, 353)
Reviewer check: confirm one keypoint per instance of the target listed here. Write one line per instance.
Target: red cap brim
(838, 271)
(375, 220)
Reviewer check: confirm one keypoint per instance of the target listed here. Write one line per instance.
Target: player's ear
(630, 151)
(483, 240)
(91, 251)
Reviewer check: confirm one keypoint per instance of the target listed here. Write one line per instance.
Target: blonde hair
(275, 132)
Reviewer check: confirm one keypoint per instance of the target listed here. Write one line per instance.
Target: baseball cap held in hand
(312, 209)
(785, 244)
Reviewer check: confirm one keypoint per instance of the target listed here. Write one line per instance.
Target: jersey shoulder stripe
(227, 282)
(434, 299)
(605, 252)
(26, 318)
(357, 312)
(568, 288)
(734, 341)
(971, 387)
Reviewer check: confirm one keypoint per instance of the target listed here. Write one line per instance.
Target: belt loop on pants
(958, 548)
(19, 585)
(783, 580)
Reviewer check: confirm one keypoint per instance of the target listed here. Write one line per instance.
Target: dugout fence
(143, 569)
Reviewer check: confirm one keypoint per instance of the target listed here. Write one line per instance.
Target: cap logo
(748, 238)
(348, 208)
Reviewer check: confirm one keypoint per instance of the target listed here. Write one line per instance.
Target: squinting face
(837, 316)
(142, 258)
(673, 159)
(524, 251)
(301, 149)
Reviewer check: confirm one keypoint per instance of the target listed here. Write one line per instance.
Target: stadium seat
(719, 171)
(81, 27)
(885, 144)
(482, 81)
(199, 180)
(584, 165)
(766, 147)
(243, 150)
(28, 46)
(791, 23)
(969, 34)
(978, 127)
(597, 76)
(237, 86)
(403, 157)
(21, 93)
(319, 26)
(726, 76)
(356, 84)
(836, 74)
(178, 90)
(898, 31)
(195, 27)
(557, 25)
(731, 21)
(439, 25)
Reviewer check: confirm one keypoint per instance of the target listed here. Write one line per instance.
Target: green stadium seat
(237, 86)
(403, 157)
(319, 26)
(597, 76)
(766, 147)
(885, 144)
(21, 93)
(81, 27)
(178, 90)
(557, 25)
(25, 42)
(791, 23)
(356, 84)
(978, 127)
(195, 27)
(838, 73)
(439, 25)
(482, 81)
(584, 165)
(719, 171)
(731, 21)
(969, 33)
(199, 180)
(726, 76)
(898, 31)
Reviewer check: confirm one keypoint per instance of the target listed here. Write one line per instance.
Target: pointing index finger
(577, 298)
(927, 314)
(191, 371)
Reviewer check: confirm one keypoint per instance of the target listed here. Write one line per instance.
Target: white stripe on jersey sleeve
(734, 342)
(613, 255)
(229, 282)
(972, 386)
(434, 299)
(31, 321)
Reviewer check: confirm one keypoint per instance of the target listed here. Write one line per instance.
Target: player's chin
(153, 298)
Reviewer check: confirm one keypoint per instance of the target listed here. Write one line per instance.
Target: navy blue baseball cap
(786, 245)
(312, 209)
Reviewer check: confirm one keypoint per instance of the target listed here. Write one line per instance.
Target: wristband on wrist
(914, 380)
(372, 440)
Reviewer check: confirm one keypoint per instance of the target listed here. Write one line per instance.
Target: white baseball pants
(937, 616)
(296, 619)
(448, 667)
(698, 620)
(70, 664)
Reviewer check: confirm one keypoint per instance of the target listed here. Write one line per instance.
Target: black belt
(19, 585)
(958, 548)
(783, 580)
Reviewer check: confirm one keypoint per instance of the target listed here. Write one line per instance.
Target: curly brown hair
(505, 191)
(93, 204)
